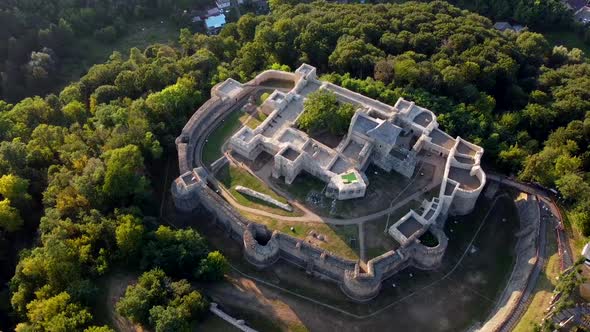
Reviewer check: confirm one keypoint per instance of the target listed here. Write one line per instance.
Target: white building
(223, 4)
(388, 136)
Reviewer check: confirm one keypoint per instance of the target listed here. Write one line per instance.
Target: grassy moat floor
(456, 302)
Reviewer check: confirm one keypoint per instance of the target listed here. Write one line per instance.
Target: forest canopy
(87, 159)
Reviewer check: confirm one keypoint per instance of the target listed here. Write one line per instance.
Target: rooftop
(230, 87)
(409, 227)
(352, 150)
(442, 139)
(385, 132)
(423, 119)
(463, 148)
(466, 181)
(363, 124)
(378, 134)
(340, 166)
(290, 154)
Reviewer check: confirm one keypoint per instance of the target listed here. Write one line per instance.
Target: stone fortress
(393, 138)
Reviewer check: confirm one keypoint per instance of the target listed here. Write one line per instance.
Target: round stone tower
(261, 247)
(359, 286)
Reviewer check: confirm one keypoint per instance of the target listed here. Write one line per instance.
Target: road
(549, 211)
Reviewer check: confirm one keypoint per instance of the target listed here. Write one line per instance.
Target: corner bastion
(379, 133)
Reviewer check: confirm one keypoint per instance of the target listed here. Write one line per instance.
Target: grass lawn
(232, 176)
(349, 178)
(212, 148)
(338, 237)
(254, 121)
(568, 39)
(139, 34)
(302, 185)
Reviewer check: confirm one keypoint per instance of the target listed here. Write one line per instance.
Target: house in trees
(581, 10)
(504, 26)
(583, 15)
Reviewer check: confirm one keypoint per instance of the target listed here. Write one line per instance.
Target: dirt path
(243, 296)
(116, 286)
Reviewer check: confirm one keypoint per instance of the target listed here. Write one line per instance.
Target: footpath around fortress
(392, 138)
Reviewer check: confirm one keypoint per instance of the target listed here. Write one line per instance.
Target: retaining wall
(526, 260)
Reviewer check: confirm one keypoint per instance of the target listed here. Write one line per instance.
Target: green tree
(129, 235)
(323, 111)
(126, 83)
(178, 252)
(57, 313)
(75, 111)
(355, 56)
(99, 329)
(173, 104)
(573, 187)
(46, 141)
(10, 219)
(123, 176)
(150, 290)
(512, 158)
(168, 319)
(533, 45)
(14, 188)
(213, 267)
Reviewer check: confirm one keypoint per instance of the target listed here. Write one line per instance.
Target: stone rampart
(263, 197)
(428, 258)
(262, 248)
(268, 75)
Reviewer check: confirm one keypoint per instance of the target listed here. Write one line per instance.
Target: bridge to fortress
(462, 179)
